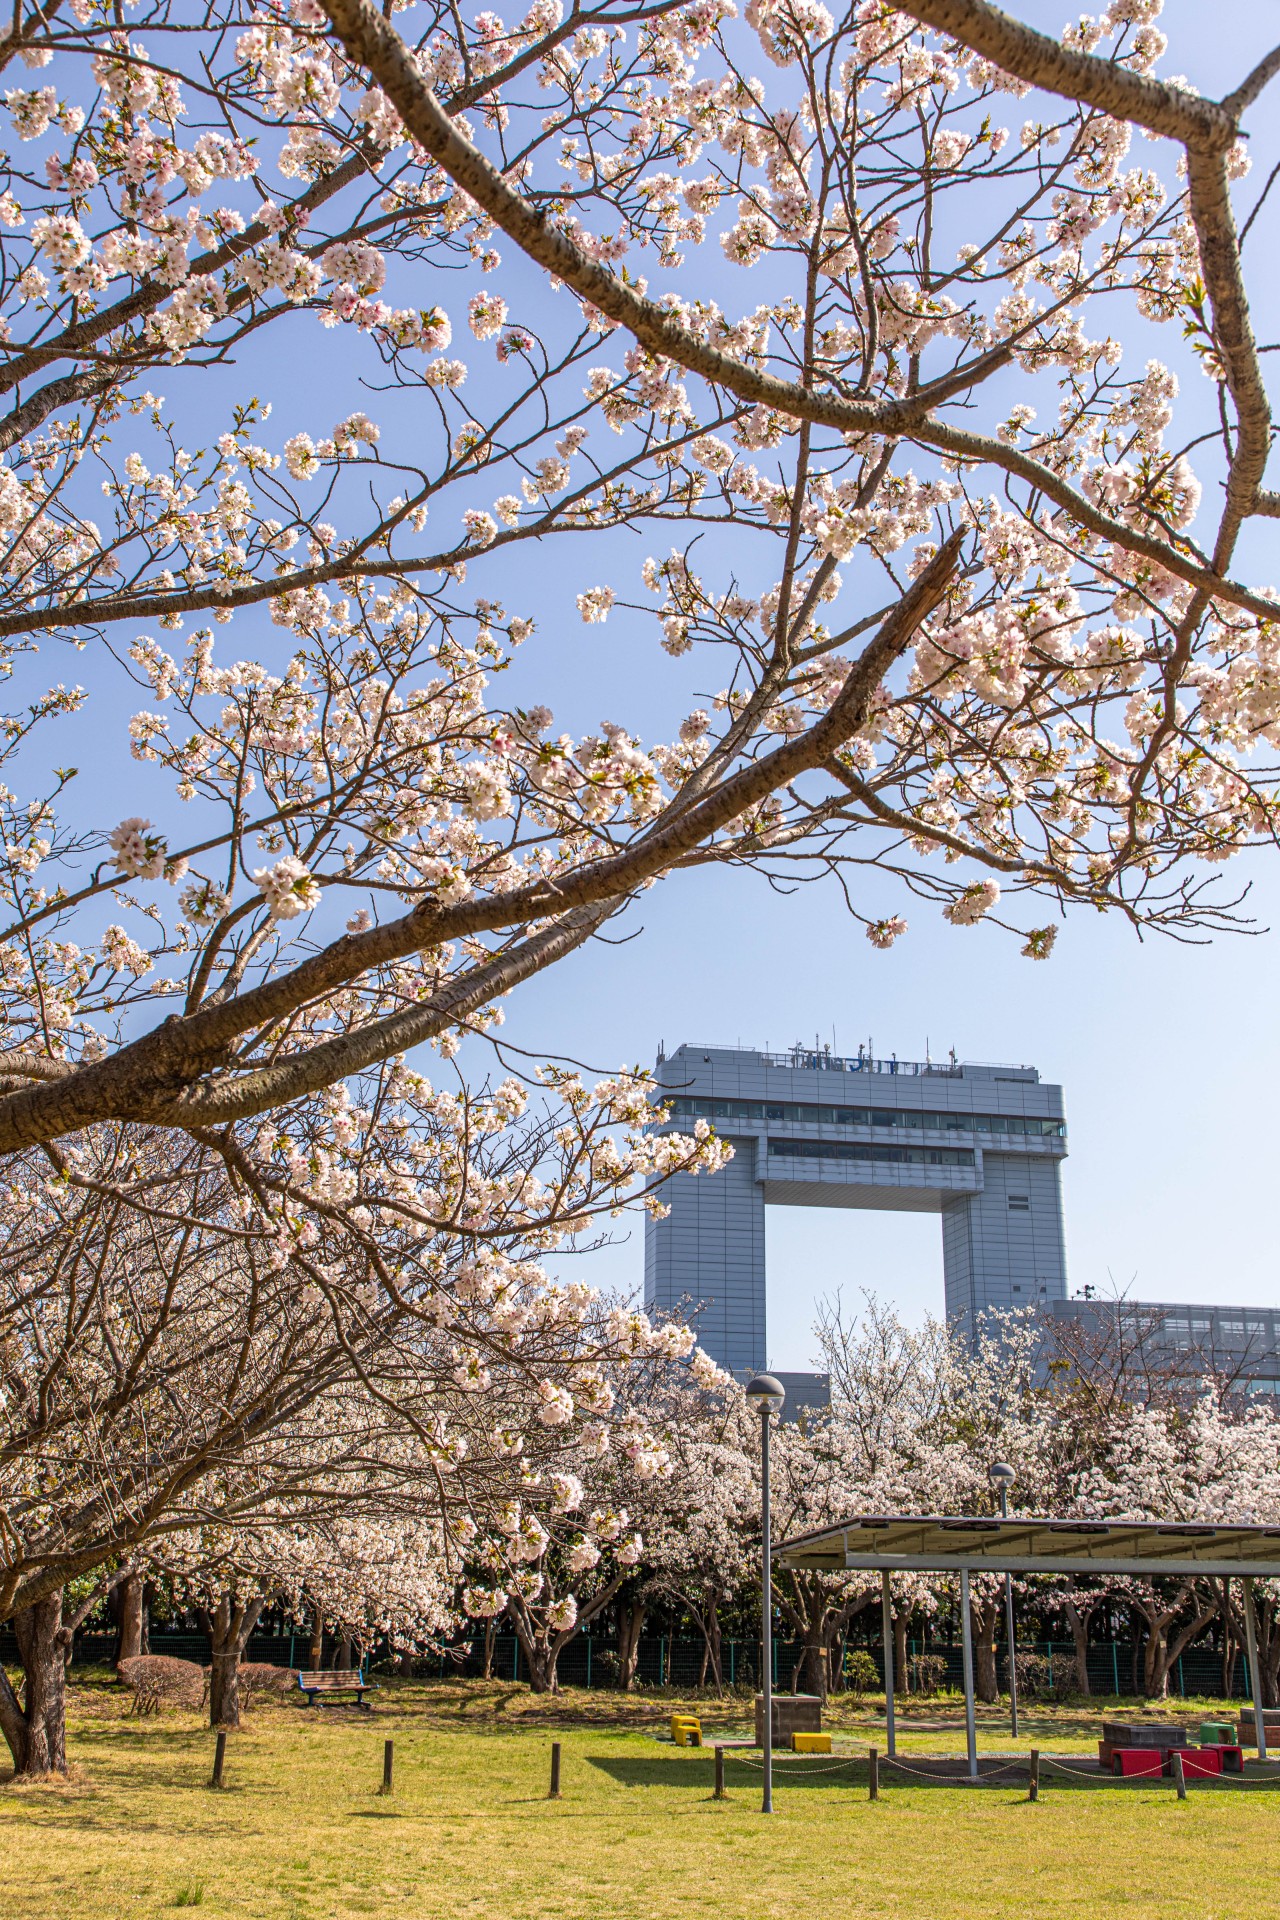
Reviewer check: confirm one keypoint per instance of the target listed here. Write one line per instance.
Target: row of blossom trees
(320, 1363)
(916, 1419)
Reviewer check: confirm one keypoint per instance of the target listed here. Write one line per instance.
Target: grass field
(300, 1828)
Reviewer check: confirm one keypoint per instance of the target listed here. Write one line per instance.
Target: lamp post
(768, 1395)
(1002, 1477)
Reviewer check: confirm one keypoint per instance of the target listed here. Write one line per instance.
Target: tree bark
(631, 1619)
(231, 1623)
(1078, 1621)
(985, 1683)
(127, 1604)
(36, 1728)
(490, 1636)
(315, 1656)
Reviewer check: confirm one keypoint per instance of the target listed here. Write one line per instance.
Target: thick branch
(374, 42)
(1046, 63)
(150, 1079)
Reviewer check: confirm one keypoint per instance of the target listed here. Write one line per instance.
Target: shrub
(259, 1676)
(861, 1675)
(1040, 1678)
(927, 1673)
(158, 1680)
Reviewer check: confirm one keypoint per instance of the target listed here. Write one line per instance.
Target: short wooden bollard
(388, 1761)
(1033, 1785)
(219, 1755)
(873, 1773)
(719, 1789)
(554, 1794)
(1179, 1777)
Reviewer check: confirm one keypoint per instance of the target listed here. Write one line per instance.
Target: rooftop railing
(822, 1060)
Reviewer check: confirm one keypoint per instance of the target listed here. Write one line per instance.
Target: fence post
(873, 1773)
(219, 1755)
(719, 1790)
(588, 1659)
(554, 1793)
(1179, 1777)
(388, 1758)
(1182, 1685)
(515, 1659)
(1115, 1668)
(733, 1662)
(1033, 1785)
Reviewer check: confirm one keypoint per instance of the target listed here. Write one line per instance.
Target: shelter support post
(1255, 1672)
(886, 1613)
(966, 1637)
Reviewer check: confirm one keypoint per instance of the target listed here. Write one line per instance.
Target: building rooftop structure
(980, 1144)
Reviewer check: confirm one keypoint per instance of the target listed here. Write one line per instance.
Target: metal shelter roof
(937, 1543)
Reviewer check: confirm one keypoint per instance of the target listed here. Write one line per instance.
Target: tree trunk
(984, 1614)
(715, 1647)
(1137, 1628)
(231, 1623)
(1079, 1624)
(344, 1658)
(36, 1729)
(1155, 1662)
(315, 1658)
(127, 1605)
(900, 1651)
(631, 1618)
(490, 1637)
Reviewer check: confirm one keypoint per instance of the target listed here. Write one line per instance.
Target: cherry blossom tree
(344, 1307)
(964, 618)
(553, 1558)
(701, 1521)
(375, 1574)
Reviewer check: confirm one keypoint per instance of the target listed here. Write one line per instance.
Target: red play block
(1146, 1761)
(1199, 1762)
(1232, 1757)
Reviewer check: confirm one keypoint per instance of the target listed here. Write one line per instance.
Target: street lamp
(768, 1395)
(1002, 1477)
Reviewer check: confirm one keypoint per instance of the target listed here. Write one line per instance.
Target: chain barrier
(1088, 1775)
(1194, 1780)
(987, 1778)
(789, 1767)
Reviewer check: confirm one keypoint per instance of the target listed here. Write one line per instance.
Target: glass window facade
(869, 1150)
(812, 1114)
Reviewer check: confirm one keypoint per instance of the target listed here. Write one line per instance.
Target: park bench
(336, 1680)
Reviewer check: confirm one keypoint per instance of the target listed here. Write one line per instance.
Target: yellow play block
(811, 1743)
(686, 1730)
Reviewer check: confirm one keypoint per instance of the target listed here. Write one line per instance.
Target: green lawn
(300, 1828)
